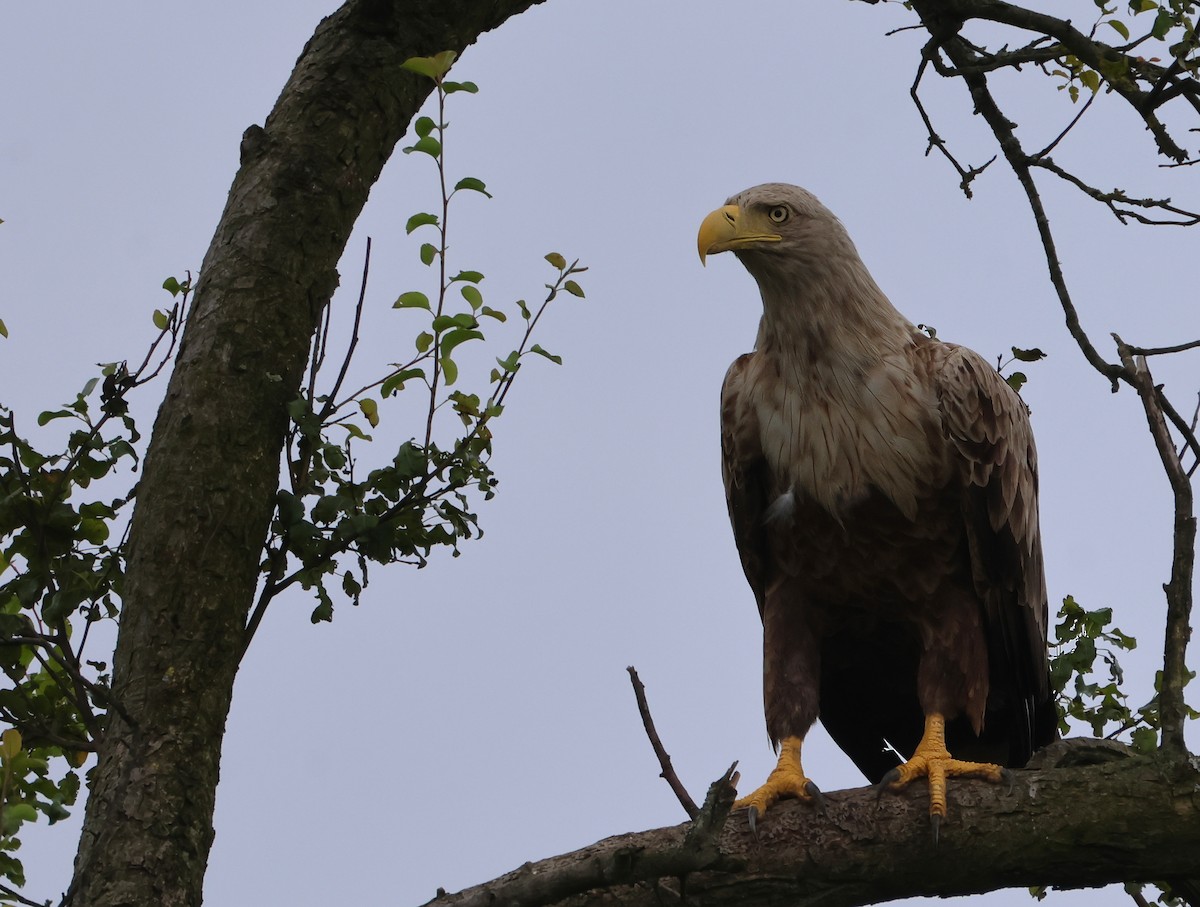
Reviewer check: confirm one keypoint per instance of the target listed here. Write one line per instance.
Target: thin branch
(664, 759)
(1163, 350)
(1084, 108)
(935, 140)
(354, 333)
(20, 898)
(1118, 197)
(1172, 710)
(1003, 128)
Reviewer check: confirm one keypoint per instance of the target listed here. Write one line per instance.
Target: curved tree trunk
(206, 496)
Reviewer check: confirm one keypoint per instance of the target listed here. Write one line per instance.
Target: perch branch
(1142, 824)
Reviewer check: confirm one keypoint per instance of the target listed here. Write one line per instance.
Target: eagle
(882, 486)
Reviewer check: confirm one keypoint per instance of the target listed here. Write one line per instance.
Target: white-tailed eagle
(882, 486)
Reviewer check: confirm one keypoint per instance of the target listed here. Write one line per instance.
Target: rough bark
(1114, 818)
(206, 496)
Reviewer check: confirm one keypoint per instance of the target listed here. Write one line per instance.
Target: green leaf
(48, 416)
(472, 295)
(411, 300)
(10, 744)
(427, 144)
(94, 531)
(370, 409)
(511, 362)
(428, 253)
(1091, 79)
(556, 260)
(431, 67)
(161, 319)
(3, 328)
(451, 87)
(171, 285)
(449, 322)
(468, 276)
(469, 182)
(424, 341)
(493, 313)
(536, 348)
(323, 611)
(395, 382)
(424, 126)
(354, 431)
(455, 337)
(1032, 355)
(1144, 740)
(573, 288)
(525, 313)
(449, 370)
(1163, 23)
(420, 220)
(1119, 27)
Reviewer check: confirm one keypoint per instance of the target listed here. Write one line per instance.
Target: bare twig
(1117, 198)
(1162, 350)
(664, 759)
(936, 141)
(354, 333)
(705, 830)
(1084, 108)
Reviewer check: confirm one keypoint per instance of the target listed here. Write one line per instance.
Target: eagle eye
(778, 214)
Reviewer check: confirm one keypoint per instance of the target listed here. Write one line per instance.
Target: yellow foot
(787, 779)
(933, 761)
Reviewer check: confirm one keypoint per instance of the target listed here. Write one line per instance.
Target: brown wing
(745, 473)
(988, 425)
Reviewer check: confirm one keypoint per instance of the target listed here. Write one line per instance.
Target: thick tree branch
(207, 491)
(1142, 824)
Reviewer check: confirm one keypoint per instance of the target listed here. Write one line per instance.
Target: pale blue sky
(476, 714)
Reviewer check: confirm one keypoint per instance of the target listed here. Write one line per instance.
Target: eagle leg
(787, 779)
(933, 761)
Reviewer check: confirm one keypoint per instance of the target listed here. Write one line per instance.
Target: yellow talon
(933, 761)
(787, 779)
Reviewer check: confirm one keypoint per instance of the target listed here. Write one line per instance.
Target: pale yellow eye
(778, 214)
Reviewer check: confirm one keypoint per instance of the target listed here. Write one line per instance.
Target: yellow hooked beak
(731, 227)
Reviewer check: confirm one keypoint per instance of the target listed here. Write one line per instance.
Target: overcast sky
(476, 714)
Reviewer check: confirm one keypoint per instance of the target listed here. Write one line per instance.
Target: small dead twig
(707, 823)
(664, 759)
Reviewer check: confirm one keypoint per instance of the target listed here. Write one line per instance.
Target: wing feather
(744, 470)
(988, 425)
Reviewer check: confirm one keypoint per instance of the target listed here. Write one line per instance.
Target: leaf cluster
(347, 507)
(61, 570)
(1086, 673)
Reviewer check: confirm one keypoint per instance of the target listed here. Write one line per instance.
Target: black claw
(935, 822)
(752, 819)
(1009, 778)
(818, 798)
(884, 782)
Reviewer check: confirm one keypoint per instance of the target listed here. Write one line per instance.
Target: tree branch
(1142, 824)
(664, 758)
(1172, 710)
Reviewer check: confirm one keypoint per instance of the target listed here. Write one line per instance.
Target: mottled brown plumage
(882, 487)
